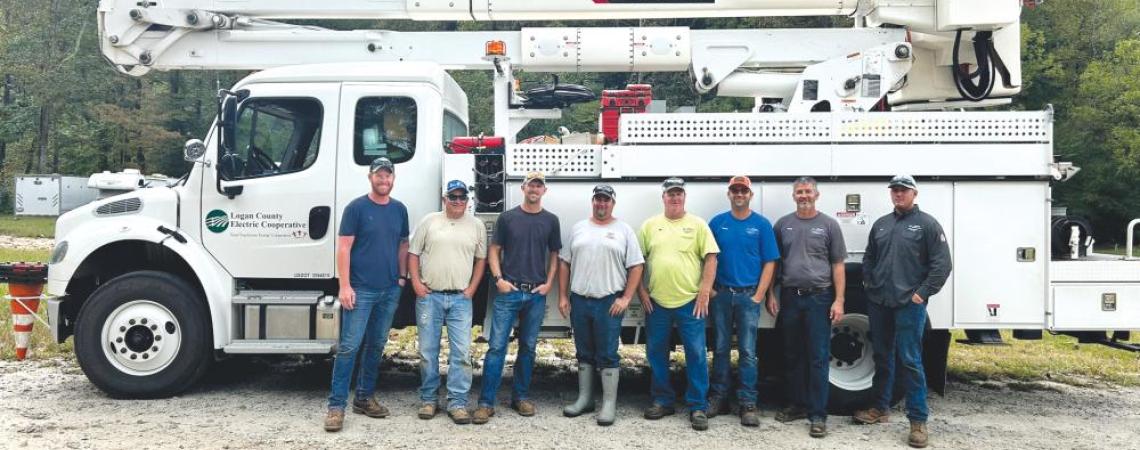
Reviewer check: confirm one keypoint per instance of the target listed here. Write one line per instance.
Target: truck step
(268, 297)
(249, 346)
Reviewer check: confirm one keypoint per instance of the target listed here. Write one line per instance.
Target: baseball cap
(535, 175)
(606, 190)
(673, 183)
(740, 180)
(905, 181)
(456, 185)
(382, 163)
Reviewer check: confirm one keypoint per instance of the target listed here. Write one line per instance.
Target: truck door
(400, 121)
(270, 214)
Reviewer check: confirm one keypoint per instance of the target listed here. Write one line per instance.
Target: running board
(248, 347)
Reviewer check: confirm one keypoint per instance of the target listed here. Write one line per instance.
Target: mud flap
(935, 351)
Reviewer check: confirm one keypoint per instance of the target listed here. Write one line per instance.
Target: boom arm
(851, 68)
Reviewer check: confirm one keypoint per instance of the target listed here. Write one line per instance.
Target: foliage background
(63, 109)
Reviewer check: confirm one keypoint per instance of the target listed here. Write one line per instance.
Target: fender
(216, 283)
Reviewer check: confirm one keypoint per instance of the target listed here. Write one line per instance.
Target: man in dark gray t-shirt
(523, 259)
(812, 281)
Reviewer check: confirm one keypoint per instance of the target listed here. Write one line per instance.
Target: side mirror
(228, 102)
(227, 122)
(194, 150)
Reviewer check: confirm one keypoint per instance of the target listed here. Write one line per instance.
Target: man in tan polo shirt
(446, 263)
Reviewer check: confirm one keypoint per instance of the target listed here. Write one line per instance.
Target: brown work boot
(369, 407)
(818, 429)
(749, 416)
(482, 415)
(791, 414)
(426, 411)
(459, 415)
(918, 438)
(525, 408)
(871, 416)
(334, 421)
(717, 406)
(658, 411)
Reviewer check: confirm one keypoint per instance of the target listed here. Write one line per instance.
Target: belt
(524, 286)
(448, 291)
(808, 291)
(736, 290)
(587, 297)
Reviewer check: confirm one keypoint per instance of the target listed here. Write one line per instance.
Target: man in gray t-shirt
(601, 266)
(812, 281)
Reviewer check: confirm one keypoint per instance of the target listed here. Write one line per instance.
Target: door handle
(319, 222)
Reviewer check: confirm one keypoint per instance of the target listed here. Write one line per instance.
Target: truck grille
(124, 206)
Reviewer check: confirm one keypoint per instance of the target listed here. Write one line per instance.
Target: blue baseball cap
(457, 184)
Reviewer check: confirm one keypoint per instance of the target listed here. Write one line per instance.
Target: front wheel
(143, 335)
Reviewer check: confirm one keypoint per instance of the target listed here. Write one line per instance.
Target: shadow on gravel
(303, 374)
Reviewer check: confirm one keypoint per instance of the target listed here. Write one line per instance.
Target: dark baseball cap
(457, 185)
(382, 163)
(673, 183)
(905, 181)
(606, 190)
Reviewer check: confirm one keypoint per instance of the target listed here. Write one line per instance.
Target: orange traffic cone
(22, 311)
(25, 286)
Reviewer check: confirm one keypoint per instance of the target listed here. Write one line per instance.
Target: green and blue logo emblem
(217, 221)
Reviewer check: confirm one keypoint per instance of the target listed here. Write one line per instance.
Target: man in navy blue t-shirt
(371, 261)
(744, 269)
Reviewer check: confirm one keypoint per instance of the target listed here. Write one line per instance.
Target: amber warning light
(496, 48)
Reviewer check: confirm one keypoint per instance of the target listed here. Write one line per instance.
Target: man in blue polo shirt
(745, 265)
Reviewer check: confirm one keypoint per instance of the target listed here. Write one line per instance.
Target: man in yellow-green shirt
(680, 255)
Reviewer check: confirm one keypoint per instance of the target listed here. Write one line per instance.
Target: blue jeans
(899, 329)
(658, 329)
(734, 312)
(433, 312)
(364, 328)
(528, 309)
(806, 330)
(596, 332)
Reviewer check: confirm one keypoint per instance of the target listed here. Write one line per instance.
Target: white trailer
(50, 195)
(238, 258)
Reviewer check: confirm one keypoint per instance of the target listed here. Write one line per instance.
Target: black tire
(842, 401)
(184, 366)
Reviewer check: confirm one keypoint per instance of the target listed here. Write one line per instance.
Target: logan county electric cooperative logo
(217, 221)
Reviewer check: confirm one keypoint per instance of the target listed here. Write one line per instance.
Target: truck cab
(240, 256)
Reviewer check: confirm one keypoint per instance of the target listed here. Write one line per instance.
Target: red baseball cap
(740, 180)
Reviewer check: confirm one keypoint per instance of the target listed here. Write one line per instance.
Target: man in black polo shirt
(907, 261)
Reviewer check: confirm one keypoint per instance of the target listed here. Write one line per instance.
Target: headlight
(59, 252)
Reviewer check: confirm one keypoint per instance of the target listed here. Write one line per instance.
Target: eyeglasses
(456, 198)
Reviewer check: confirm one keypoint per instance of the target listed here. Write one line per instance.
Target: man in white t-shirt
(601, 266)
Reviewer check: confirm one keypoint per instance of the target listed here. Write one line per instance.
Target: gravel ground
(26, 243)
(246, 403)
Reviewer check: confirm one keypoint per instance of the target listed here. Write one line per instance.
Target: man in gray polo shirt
(812, 280)
(601, 267)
